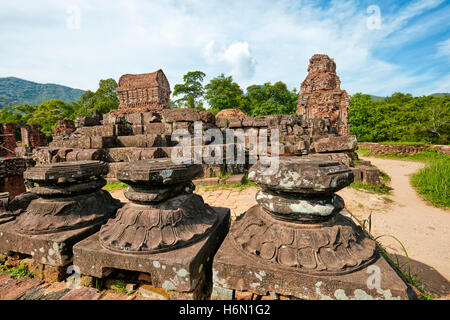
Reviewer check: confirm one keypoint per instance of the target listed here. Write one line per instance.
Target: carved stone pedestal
(298, 241)
(165, 230)
(69, 207)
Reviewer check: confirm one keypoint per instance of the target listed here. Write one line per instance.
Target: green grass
(16, 272)
(433, 181)
(121, 287)
(245, 184)
(363, 152)
(424, 156)
(384, 177)
(372, 188)
(114, 186)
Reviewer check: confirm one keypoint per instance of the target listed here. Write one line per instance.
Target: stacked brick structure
(143, 92)
(321, 96)
(11, 176)
(7, 139)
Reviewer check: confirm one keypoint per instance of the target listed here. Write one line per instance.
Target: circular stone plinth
(158, 172)
(51, 215)
(302, 175)
(65, 190)
(66, 172)
(334, 247)
(150, 194)
(299, 208)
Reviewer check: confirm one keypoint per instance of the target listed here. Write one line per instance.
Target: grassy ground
(113, 186)
(372, 188)
(431, 182)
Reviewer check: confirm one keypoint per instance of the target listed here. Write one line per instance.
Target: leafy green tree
(432, 118)
(271, 99)
(103, 100)
(48, 113)
(191, 91)
(400, 117)
(223, 93)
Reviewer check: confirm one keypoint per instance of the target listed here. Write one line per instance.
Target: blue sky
(380, 47)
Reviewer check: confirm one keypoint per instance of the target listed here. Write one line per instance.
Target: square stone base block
(53, 249)
(178, 270)
(234, 271)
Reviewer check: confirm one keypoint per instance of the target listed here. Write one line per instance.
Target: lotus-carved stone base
(329, 260)
(336, 246)
(66, 213)
(152, 228)
(179, 269)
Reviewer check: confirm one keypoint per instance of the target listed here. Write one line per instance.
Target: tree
(48, 113)
(432, 118)
(223, 93)
(191, 90)
(400, 117)
(103, 100)
(271, 99)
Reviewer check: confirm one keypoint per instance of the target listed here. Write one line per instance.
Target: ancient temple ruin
(143, 92)
(321, 96)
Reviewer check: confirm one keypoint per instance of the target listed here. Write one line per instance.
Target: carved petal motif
(175, 223)
(61, 214)
(334, 247)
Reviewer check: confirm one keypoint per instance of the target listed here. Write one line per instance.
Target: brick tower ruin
(321, 96)
(143, 92)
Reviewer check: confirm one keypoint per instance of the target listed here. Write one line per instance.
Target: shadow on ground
(432, 281)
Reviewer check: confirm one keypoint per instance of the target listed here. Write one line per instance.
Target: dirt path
(424, 230)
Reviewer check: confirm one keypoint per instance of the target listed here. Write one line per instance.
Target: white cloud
(443, 48)
(237, 56)
(141, 36)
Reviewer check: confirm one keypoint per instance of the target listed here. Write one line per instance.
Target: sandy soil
(423, 229)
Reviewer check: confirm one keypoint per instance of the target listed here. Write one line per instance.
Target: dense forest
(400, 117)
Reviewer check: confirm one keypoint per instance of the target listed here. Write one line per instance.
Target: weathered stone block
(134, 118)
(85, 154)
(149, 117)
(99, 142)
(207, 117)
(221, 122)
(335, 143)
(157, 128)
(176, 115)
(234, 122)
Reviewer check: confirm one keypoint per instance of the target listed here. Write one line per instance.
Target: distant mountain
(375, 98)
(441, 94)
(15, 91)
